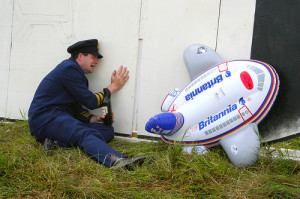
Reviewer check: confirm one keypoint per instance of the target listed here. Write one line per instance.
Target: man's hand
(99, 118)
(118, 79)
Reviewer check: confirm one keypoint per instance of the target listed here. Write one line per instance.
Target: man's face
(87, 63)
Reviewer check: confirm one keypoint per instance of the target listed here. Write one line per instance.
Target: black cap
(87, 46)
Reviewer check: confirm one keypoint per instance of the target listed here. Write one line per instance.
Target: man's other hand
(118, 79)
(100, 118)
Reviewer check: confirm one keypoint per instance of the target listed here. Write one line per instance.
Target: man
(57, 114)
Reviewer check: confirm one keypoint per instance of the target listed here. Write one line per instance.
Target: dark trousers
(91, 137)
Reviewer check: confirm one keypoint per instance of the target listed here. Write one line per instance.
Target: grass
(289, 144)
(26, 171)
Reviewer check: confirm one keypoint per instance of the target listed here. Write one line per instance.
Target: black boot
(49, 145)
(129, 163)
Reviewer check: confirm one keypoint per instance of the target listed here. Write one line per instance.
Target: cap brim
(97, 54)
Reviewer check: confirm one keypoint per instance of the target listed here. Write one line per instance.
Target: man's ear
(79, 57)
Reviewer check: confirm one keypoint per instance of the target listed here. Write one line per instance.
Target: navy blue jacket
(63, 91)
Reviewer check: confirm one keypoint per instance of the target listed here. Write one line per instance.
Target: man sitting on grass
(57, 114)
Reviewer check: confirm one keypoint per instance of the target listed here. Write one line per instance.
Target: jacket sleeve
(75, 83)
(82, 114)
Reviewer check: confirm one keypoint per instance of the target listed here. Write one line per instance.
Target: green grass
(26, 171)
(289, 144)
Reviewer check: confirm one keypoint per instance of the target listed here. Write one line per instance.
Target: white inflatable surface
(217, 103)
(223, 104)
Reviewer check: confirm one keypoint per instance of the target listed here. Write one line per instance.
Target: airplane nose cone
(165, 123)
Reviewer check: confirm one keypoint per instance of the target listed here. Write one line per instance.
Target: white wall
(6, 11)
(147, 36)
(235, 29)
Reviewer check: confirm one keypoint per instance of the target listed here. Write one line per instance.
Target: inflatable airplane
(223, 104)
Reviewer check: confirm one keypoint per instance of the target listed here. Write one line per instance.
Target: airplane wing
(242, 147)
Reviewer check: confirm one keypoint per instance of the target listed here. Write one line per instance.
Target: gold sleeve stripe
(86, 114)
(102, 95)
(101, 99)
(98, 99)
(83, 112)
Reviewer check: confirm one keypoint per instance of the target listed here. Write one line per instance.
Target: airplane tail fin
(169, 99)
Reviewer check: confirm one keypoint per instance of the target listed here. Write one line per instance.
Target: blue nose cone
(165, 123)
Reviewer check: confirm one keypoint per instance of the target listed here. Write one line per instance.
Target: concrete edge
(280, 153)
(265, 152)
(132, 139)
